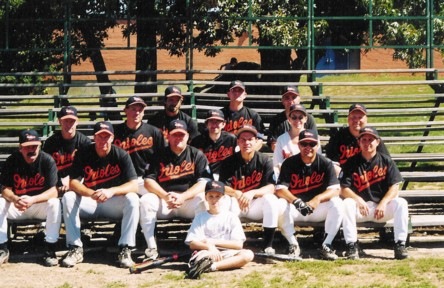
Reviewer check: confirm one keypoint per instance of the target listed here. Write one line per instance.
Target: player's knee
(149, 202)
(132, 199)
(69, 198)
(247, 255)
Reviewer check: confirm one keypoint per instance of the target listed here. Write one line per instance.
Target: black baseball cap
(237, 83)
(103, 126)
(215, 186)
(297, 107)
(358, 107)
(173, 91)
(370, 131)
(291, 90)
(308, 135)
(177, 126)
(247, 128)
(215, 114)
(67, 112)
(29, 137)
(134, 100)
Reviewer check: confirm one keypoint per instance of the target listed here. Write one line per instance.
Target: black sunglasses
(296, 117)
(311, 144)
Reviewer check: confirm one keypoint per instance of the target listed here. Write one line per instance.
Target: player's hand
(245, 200)
(102, 195)
(380, 211)
(62, 190)
(176, 201)
(314, 203)
(302, 207)
(214, 253)
(362, 206)
(24, 202)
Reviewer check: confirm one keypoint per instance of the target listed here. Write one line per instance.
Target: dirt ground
(99, 268)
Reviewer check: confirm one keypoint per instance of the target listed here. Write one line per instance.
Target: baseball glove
(302, 207)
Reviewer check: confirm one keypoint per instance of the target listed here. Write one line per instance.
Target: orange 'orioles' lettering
(233, 125)
(28, 184)
(173, 172)
(347, 152)
(101, 175)
(223, 152)
(135, 144)
(300, 184)
(247, 183)
(377, 174)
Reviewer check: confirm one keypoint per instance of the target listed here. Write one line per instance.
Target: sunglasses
(311, 144)
(296, 117)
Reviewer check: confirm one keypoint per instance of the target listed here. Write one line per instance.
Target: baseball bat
(280, 257)
(150, 264)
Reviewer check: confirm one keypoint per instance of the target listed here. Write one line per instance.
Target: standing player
(104, 185)
(217, 237)
(310, 188)
(142, 141)
(176, 184)
(28, 182)
(63, 145)
(370, 185)
(216, 143)
(173, 102)
(250, 177)
(280, 123)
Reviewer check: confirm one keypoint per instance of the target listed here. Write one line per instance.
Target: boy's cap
(103, 126)
(308, 136)
(247, 128)
(215, 114)
(298, 107)
(359, 107)
(29, 137)
(177, 126)
(237, 83)
(370, 131)
(67, 112)
(291, 90)
(134, 100)
(173, 91)
(215, 186)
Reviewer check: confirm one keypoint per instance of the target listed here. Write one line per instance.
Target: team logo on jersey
(25, 185)
(347, 152)
(364, 179)
(134, 144)
(233, 125)
(170, 172)
(303, 184)
(247, 183)
(94, 177)
(220, 154)
(63, 160)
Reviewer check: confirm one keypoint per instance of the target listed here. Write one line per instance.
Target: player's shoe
(269, 251)
(49, 257)
(327, 253)
(401, 251)
(294, 250)
(74, 256)
(198, 267)
(352, 252)
(125, 260)
(4, 254)
(151, 253)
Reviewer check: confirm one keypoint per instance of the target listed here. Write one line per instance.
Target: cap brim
(30, 143)
(243, 130)
(215, 117)
(216, 191)
(104, 131)
(240, 86)
(178, 130)
(309, 140)
(69, 117)
(174, 94)
(358, 109)
(135, 103)
(290, 93)
(369, 133)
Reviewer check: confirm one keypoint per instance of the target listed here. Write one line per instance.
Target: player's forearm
(228, 244)
(80, 189)
(391, 194)
(45, 196)
(9, 195)
(267, 189)
(348, 193)
(130, 186)
(328, 194)
(154, 187)
(285, 194)
(197, 188)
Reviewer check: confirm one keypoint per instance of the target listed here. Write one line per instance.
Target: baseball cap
(368, 130)
(237, 83)
(215, 186)
(359, 107)
(29, 137)
(173, 91)
(103, 126)
(308, 135)
(67, 112)
(298, 107)
(247, 128)
(291, 90)
(177, 126)
(134, 100)
(215, 114)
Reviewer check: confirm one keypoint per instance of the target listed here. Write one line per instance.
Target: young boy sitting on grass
(216, 236)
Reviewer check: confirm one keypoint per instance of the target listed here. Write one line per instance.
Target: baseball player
(370, 188)
(216, 143)
(250, 177)
(176, 184)
(104, 185)
(28, 180)
(142, 141)
(173, 102)
(310, 190)
(63, 145)
(344, 143)
(280, 123)
(217, 237)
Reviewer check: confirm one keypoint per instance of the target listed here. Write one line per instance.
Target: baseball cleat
(199, 267)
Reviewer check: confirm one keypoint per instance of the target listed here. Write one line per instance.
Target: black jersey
(179, 172)
(97, 172)
(237, 119)
(306, 181)
(244, 176)
(370, 179)
(143, 144)
(29, 179)
(162, 121)
(216, 151)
